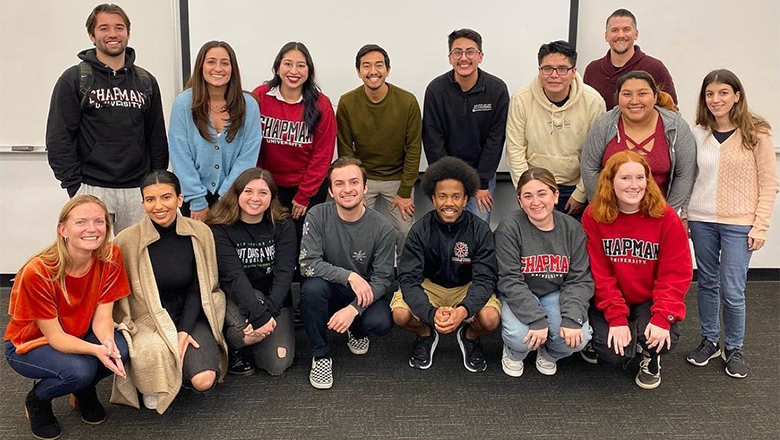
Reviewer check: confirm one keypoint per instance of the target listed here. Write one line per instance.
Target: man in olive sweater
(380, 124)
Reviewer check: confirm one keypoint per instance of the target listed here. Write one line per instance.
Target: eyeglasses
(456, 54)
(548, 70)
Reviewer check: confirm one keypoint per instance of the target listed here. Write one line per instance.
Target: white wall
(694, 38)
(38, 41)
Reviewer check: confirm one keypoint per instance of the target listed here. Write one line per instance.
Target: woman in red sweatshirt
(299, 131)
(641, 266)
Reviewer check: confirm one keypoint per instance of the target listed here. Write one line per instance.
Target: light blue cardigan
(211, 166)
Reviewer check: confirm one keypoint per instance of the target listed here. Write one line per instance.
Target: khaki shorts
(442, 297)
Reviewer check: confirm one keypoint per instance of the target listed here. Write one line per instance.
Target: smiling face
(538, 202)
(555, 84)
(373, 70)
(161, 203)
(463, 65)
(293, 69)
(254, 200)
(630, 184)
(85, 228)
(347, 187)
(217, 67)
(449, 199)
(636, 100)
(110, 34)
(720, 99)
(621, 34)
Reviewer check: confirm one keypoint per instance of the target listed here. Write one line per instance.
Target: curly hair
(604, 206)
(450, 168)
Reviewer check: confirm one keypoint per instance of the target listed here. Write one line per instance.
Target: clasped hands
(109, 355)
(253, 336)
(448, 319)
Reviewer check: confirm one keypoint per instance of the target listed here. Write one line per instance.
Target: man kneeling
(447, 271)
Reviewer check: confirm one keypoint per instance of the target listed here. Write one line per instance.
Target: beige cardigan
(150, 333)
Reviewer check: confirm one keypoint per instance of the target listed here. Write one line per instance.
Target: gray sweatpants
(124, 204)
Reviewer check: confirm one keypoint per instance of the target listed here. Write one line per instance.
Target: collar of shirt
(278, 95)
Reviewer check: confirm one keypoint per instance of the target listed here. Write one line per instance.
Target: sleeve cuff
(618, 321)
(198, 203)
(570, 323)
(662, 322)
(260, 320)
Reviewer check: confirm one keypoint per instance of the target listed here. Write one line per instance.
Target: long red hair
(604, 207)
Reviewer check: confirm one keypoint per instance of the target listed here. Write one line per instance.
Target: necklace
(220, 108)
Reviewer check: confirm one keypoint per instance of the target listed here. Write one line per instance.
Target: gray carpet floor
(378, 396)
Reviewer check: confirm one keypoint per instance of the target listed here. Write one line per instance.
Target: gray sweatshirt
(332, 248)
(682, 153)
(533, 263)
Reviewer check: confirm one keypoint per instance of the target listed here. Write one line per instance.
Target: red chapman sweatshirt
(295, 157)
(639, 258)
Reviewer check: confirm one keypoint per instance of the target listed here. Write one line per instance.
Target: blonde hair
(56, 258)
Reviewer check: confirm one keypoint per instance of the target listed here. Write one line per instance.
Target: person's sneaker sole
(320, 386)
(647, 386)
(433, 350)
(706, 361)
(355, 350)
(734, 375)
(589, 360)
(463, 352)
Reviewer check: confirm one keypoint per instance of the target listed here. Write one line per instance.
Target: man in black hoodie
(105, 129)
(447, 273)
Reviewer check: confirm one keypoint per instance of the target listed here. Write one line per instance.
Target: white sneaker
(510, 367)
(544, 365)
(357, 346)
(321, 375)
(150, 401)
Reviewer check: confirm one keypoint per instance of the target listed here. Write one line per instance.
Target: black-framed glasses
(548, 70)
(456, 54)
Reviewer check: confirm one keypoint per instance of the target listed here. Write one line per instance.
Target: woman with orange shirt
(61, 331)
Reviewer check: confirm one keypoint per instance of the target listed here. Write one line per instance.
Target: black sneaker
(238, 365)
(43, 424)
(422, 351)
(87, 403)
(649, 375)
(589, 355)
(473, 354)
(735, 363)
(702, 354)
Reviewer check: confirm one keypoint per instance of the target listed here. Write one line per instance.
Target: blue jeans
(471, 205)
(722, 260)
(62, 373)
(321, 299)
(564, 194)
(513, 331)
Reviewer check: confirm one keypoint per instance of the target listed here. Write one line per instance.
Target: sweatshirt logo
(461, 252)
(257, 254)
(482, 107)
(630, 250)
(284, 132)
(116, 97)
(548, 265)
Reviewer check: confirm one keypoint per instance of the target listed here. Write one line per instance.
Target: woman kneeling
(61, 332)
(173, 320)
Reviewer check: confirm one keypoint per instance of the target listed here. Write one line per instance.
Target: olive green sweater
(385, 136)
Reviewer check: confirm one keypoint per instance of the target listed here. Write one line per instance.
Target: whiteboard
(413, 32)
(40, 39)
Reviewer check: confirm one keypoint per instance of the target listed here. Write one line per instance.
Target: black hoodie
(116, 139)
(450, 255)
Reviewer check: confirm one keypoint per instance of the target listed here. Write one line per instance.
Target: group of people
(197, 282)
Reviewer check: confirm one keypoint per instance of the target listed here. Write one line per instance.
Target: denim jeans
(471, 205)
(321, 299)
(722, 259)
(564, 194)
(513, 331)
(62, 373)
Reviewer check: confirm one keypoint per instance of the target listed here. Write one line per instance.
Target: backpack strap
(146, 80)
(86, 80)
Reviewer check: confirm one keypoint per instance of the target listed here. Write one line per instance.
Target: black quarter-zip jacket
(118, 136)
(450, 255)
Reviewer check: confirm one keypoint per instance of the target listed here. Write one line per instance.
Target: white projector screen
(413, 32)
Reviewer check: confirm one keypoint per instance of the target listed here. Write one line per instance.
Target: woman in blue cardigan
(215, 130)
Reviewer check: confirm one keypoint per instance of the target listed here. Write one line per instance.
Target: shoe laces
(476, 352)
(420, 348)
(735, 355)
(644, 364)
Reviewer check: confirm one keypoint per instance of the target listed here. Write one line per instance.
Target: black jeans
(321, 299)
(638, 319)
